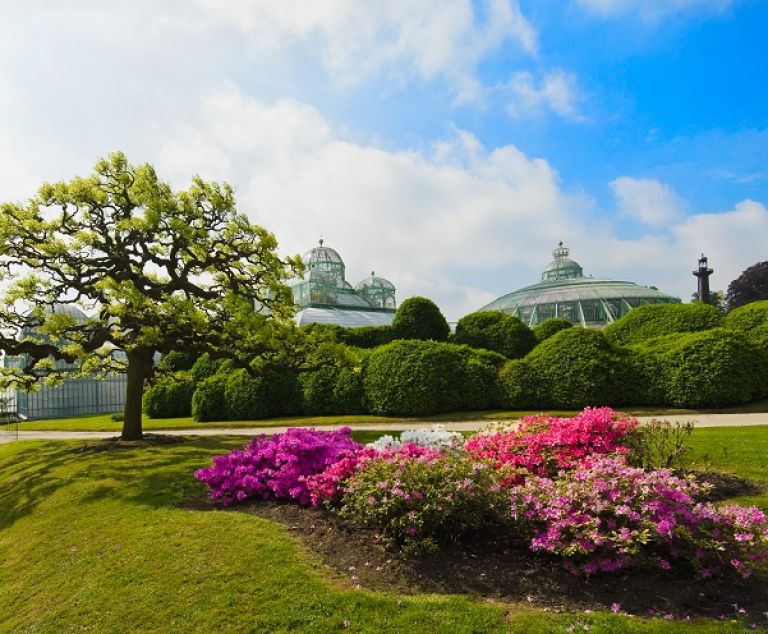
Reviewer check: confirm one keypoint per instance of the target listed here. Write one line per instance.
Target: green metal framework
(564, 292)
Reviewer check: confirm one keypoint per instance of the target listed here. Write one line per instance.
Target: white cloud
(647, 200)
(654, 9)
(556, 91)
(400, 38)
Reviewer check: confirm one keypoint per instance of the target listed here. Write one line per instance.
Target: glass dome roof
(378, 291)
(566, 293)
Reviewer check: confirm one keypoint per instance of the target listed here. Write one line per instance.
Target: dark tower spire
(703, 274)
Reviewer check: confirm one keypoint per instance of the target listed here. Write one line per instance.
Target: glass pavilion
(566, 293)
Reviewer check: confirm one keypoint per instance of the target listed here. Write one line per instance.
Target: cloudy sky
(446, 144)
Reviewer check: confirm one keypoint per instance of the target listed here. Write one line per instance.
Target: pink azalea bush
(418, 501)
(276, 467)
(543, 445)
(606, 515)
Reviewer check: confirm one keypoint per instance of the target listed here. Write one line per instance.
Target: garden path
(699, 420)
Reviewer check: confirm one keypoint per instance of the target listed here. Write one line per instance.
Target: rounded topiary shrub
(366, 336)
(713, 368)
(747, 317)
(481, 378)
(411, 378)
(348, 391)
(521, 387)
(550, 327)
(170, 397)
(496, 331)
(420, 318)
(655, 320)
(578, 367)
(206, 367)
(332, 390)
(253, 398)
(208, 402)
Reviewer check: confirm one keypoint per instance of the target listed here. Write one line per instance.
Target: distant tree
(750, 286)
(420, 318)
(154, 270)
(497, 331)
(717, 299)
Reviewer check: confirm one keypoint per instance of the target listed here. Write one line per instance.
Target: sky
(447, 145)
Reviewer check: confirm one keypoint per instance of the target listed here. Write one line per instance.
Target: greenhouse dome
(566, 293)
(324, 295)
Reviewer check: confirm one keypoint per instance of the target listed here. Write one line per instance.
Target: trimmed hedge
(420, 318)
(579, 367)
(747, 317)
(549, 327)
(208, 401)
(332, 390)
(412, 378)
(206, 367)
(496, 331)
(654, 320)
(713, 368)
(521, 386)
(170, 397)
(366, 336)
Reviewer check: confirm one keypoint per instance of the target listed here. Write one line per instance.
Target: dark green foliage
(206, 367)
(420, 318)
(412, 378)
(253, 398)
(497, 331)
(750, 286)
(747, 317)
(655, 320)
(178, 361)
(332, 390)
(521, 386)
(550, 327)
(366, 336)
(659, 445)
(333, 330)
(713, 368)
(170, 397)
(208, 402)
(579, 367)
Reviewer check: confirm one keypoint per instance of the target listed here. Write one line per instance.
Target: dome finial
(321, 240)
(561, 252)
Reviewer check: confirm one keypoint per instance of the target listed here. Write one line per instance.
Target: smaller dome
(562, 267)
(374, 282)
(379, 292)
(321, 255)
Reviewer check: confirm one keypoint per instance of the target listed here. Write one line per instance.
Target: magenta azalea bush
(546, 444)
(276, 467)
(607, 515)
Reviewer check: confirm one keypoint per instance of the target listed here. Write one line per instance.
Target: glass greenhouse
(75, 396)
(566, 293)
(324, 295)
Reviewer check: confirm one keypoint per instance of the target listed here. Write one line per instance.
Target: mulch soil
(496, 568)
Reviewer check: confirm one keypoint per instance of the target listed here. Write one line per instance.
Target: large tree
(154, 270)
(750, 286)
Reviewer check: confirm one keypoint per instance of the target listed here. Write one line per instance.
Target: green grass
(104, 422)
(98, 542)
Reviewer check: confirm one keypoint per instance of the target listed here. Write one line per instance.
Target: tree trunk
(139, 368)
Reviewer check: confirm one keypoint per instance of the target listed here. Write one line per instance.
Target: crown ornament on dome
(561, 252)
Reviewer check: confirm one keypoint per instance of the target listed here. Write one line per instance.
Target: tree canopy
(154, 270)
(420, 318)
(750, 286)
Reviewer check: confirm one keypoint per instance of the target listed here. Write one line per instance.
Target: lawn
(104, 422)
(107, 541)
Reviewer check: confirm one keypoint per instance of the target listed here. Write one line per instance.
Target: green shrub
(332, 390)
(178, 361)
(549, 327)
(208, 402)
(254, 398)
(420, 318)
(659, 444)
(170, 397)
(206, 367)
(496, 331)
(747, 317)
(579, 367)
(654, 320)
(348, 391)
(521, 386)
(455, 497)
(366, 336)
(409, 378)
(713, 368)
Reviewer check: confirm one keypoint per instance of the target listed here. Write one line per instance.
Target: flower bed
(563, 484)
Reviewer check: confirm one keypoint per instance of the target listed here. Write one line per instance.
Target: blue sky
(447, 144)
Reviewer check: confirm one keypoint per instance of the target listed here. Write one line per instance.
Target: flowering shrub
(327, 486)
(420, 501)
(436, 438)
(606, 516)
(276, 467)
(545, 444)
